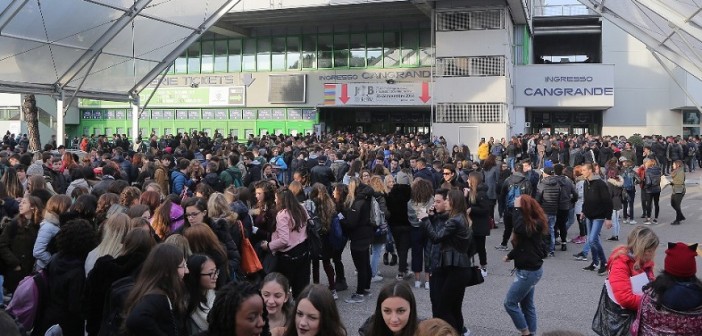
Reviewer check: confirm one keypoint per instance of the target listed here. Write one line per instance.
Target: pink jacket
(285, 238)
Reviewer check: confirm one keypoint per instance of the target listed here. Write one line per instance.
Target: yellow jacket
(483, 151)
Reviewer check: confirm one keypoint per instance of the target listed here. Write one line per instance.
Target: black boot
(393, 259)
(386, 258)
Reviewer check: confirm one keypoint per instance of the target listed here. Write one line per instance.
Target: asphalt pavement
(566, 297)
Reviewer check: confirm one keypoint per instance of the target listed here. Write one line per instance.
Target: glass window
(263, 55)
(324, 51)
(293, 53)
(410, 45)
(309, 52)
(86, 131)
(168, 131)
(120, 130)
(374, 51)
(691, 117)
(426, 50)
(691, 131)
(391, 50)
(278, 53)
(249, 132)
(97, 131)
(249, 59)
(180, 130)
(108, 131)
(194, 58)
(341, 50)
(234, 56)
(181, 64)
(234, 133)
(220, 58)
(207, 56)
(358, 51)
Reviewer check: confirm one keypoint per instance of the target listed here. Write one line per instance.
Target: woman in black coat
(355, 221)
(398, 221)
(108, 269)
(480, 207)
(66, 279)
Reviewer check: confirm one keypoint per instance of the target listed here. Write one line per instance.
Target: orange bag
(250, 263)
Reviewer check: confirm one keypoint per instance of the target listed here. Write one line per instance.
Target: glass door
(580, 129)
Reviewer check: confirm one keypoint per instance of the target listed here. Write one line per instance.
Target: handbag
(476, 277)
(250, 263)
(610, 318)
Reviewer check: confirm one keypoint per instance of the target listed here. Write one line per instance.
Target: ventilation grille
(476, 113)
(470, 20)
(287, 88)
(470, 66)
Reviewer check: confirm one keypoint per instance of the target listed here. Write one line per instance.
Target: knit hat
(680, 260)
(36, 168)
(402, 178)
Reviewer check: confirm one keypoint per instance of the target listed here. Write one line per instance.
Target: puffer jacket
(651, 174)
(480, 211)
(16, 245)
(397, 200)
(76, 184)
(615, 189)
(622, 266)
(454, 238)
(548, 194)
(356, 222)
(48, 229)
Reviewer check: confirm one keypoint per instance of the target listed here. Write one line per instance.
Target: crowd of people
(193, 235)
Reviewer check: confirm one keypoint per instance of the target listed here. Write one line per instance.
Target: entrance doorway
(384, 120)
(565, 122)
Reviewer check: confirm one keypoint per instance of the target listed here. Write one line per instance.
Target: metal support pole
(60, 126)
(135, 123)
(672, 76)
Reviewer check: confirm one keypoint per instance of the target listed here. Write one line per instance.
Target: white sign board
(354, 94)
(565, 85)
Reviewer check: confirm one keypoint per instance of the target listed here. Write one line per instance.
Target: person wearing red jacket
(632, 259)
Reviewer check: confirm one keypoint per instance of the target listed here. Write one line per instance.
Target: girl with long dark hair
(200, 284)
(452, 269)
(316, 314)
(157, 303)
(325, 209)
(530, 225)
(395, 312)
(17, 241)
(480, 211)
(288, 241)
(355, 220)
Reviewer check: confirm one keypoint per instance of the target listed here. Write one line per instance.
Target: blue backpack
(628, 181)
(337, 239)
(514, 190)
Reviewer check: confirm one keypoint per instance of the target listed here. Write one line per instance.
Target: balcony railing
(562, 10)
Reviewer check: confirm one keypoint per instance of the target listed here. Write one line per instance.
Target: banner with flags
(375, 94)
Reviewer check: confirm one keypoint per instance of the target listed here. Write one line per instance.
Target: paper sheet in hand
(665, 181)
(637, 284)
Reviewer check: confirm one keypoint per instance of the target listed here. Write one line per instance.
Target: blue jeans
(571, 218)
(552, 231)
(586, 246)
(616, 227)
(593, 239)
(519, 302)
(510, 162)
(628, 205)
(377, 250)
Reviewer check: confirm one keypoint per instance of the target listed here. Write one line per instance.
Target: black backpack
(112, 316)
(314, 238)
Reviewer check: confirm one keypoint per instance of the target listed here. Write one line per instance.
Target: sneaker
(625, 221)
(377, 278)
(602, 270)
(502, 248)
(590, 268)
(483, 271)
(647, 221)
(417, 284)
(355, 298)
(564, 247)
(335, 295)
(367, 292)
(400, 277)
(580, 257)
(677, 222)
(426, 285)
(613, 238)
(551, 254)
(655, 221)
(632, 222)
(341, 285)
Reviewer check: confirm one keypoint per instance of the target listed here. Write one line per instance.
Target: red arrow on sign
(344, 93)
(425, 92)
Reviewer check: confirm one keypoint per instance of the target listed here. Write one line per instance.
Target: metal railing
(562, 10)
(470, 113)
(474, 66)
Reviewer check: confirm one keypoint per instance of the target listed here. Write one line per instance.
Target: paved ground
(566, 296)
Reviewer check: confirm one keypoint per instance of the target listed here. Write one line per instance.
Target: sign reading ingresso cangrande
(565, 85)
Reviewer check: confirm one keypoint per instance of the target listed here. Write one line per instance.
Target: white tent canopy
(669, 28)
(98, 49)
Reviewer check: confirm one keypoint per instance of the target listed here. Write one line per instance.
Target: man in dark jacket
(521, 183)
(107, 179)
(253, 168)
(322, 174)
(548, 194)
(660, 150)
(597, 210)
(566, 202)
(425, 172)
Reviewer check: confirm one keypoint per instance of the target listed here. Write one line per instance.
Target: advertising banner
(375, 94)
(181, 97)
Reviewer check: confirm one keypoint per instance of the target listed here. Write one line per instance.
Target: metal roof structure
(99, 49)
(669, 28)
